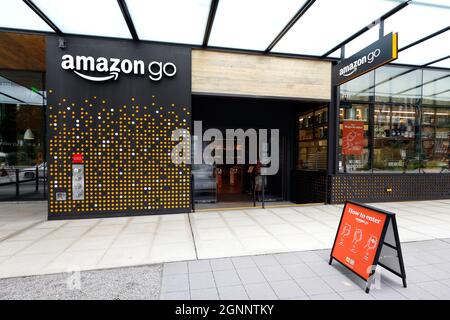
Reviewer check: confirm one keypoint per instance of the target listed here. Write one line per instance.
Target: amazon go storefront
(87, 123)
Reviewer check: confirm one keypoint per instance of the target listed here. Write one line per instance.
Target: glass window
(435, 139)
(404, 127)
(436, 88)
(395, 147)
(354, 151)
(359, 89)
(436, 121)
(398, 84)
(312, 140)
(23, 168)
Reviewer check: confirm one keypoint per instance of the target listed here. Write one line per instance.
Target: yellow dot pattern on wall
(126, 155)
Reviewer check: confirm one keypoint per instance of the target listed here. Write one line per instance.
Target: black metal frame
(43, 16)
(389, 217)
(397, 248)
(289, 25)
(210, 22)
(126, 15)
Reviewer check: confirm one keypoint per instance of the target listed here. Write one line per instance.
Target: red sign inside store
(353, 140)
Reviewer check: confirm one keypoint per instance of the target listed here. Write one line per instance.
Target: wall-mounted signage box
(375, 55)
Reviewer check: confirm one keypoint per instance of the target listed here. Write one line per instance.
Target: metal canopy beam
(294, 19)
(209, 24)
(424, 39)
(368, 27)
(42, 15)
(126, 15)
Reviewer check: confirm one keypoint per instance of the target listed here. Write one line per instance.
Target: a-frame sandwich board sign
(368, 237)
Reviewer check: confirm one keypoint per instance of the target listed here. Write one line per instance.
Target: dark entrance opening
(233, 185)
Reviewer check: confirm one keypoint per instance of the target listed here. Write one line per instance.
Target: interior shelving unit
(435, 136)
(312, 139)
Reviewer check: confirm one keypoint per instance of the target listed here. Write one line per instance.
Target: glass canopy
(442, 64)
(418, 20)
(251, 24)
(317, 26)
(178, 21)
(329, 22)
(16, 14)
(362, 41)
(427, 51)
(96, 18)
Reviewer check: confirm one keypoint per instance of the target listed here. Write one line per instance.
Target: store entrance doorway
(232, 185)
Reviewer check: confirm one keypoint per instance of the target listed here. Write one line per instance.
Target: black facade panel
(122, 128)
(309, 186)
(388, 187)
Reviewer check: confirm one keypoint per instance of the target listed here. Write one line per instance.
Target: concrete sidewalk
(18, 216)
(58, 246)
(306, 275)
(303, 275)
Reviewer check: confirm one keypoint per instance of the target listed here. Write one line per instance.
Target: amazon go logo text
(351, 68)
(85, 66)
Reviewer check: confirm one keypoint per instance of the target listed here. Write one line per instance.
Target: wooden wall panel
(246, 74)
(22, 51)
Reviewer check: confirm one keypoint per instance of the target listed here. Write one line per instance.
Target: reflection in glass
(23, 168)
(359, 89)
(398, 84)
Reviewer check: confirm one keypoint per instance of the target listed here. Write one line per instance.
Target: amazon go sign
(353, 66)
(104, 69)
